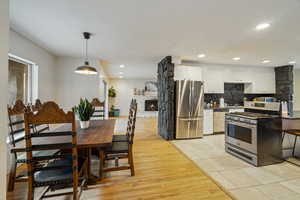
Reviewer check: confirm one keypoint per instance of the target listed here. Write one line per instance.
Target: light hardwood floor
(162, 172)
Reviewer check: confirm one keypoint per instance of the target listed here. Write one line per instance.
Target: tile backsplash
(215, 97)
(212, 97)
(234, 93)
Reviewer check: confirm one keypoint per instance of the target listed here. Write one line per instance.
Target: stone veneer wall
(166, 99)
(285, 84)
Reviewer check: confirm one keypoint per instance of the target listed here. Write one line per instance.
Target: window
(22, 80)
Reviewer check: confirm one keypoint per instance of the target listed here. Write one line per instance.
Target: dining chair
(62, 170)
(121, 149)
(99, 109)
(16, 138)
(36, 107)
(124, 137)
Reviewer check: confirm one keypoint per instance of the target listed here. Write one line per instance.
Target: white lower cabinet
(208, 122)
(219, 121)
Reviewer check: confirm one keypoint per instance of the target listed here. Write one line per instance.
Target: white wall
(124, 89)
(26, 49)
(70, 87)
(4, 38)
(297, 89)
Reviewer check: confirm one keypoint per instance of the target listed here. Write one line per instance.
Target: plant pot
(111, 114)
(84, 124)
(116, 112)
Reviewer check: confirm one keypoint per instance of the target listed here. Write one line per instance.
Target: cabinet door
(219, 122)
(213, 81)
(193, 73)
(214, 86)
(208, 122)
(264, 82)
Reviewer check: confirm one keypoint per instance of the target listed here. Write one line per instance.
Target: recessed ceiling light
(266, 61)
(292, 62)
(201, 55)
(120, 72)
(262, 26)
(236, 58)
(121, 76)
(122, 66)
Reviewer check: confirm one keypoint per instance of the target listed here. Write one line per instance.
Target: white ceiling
(138, 33)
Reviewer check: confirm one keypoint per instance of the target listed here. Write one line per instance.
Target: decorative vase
(84, 124)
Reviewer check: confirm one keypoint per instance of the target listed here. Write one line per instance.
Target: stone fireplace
(151, 105)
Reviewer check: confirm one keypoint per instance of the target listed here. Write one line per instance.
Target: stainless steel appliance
(189, 109)
(255, 135)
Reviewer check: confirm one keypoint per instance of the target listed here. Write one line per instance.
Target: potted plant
(111, 112)
(114, 112)
(84, 110)
(112, 92)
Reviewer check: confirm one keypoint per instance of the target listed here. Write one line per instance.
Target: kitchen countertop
(294, 116)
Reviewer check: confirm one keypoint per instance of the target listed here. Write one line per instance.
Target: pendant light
(86, 68)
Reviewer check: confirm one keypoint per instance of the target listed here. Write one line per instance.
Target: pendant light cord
(86, 50)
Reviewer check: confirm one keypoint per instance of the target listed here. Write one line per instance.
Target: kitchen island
(293, 116)
(291, 133)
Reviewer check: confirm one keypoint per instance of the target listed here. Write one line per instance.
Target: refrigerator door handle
(183, 119)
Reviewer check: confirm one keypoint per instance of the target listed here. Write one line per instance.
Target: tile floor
(242, 180)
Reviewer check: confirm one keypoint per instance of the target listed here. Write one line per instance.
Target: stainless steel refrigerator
(189, 109)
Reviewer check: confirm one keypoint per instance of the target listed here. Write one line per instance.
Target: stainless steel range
(255, 135)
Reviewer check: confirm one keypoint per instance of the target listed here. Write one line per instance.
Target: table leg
(295, 142)
(101, 163)
(92, 179)
(89, 155)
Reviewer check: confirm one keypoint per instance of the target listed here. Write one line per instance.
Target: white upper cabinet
(213, 81)
(256, 79)
(193, 73)
(263, 81)
(237, 75)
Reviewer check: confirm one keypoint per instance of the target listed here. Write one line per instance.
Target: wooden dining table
(98, 135)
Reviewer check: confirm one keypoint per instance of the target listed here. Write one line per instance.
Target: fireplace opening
(151, 105)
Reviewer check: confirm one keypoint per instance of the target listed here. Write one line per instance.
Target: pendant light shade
(86, 68)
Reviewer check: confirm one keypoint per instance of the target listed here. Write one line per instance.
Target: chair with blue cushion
(16, 139)
(62, 170)
(36, 107)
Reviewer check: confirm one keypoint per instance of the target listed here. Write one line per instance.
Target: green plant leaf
(84, 110)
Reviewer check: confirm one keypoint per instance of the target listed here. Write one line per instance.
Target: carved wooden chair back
(36, 107)
(99, 109)
(50, 113)
(16, 122)
(131, 121)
